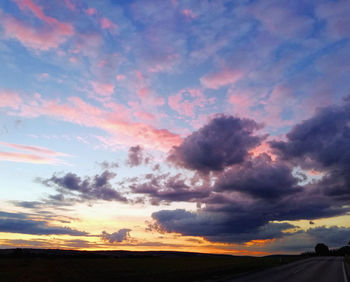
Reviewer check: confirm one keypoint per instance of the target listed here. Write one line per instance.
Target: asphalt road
(320, 269)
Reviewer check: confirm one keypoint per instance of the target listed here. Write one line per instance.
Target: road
(320, 269)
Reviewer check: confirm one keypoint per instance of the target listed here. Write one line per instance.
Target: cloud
(186, 100)
(222, 78)
(321, 143)
(119, 236)
(51, 35)
(260, 178)
(108, 165)
(116, 120)
(107, 24)
(135, 156)
(35, 149)
(167, 188)
(40, 155)
(95, 188)
(214, 227)
(103, 89)
(272, 188)
(224, 141)
(26, 158)
(22, 223)
(9, 99)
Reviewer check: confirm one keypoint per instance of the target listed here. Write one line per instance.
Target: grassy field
(196, 268)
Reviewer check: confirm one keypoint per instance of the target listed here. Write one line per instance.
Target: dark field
(147, 266)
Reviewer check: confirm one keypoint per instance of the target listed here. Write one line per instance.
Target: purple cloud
(224, 141)
(95, 188)
(119, 236)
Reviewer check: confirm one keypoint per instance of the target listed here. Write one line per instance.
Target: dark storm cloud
(247, 197)
(95, 188)
(224, 141)
(228, 215)
(165, 187)
(22, 223)
(216, 227)
(323, 140)
(119, 236)
(322, 143)
(230, 218)
(136, 156)
(260, 178)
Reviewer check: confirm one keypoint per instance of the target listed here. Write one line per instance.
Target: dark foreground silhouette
(64, 265)
(67, 265)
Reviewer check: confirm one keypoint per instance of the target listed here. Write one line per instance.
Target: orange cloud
(259, 242)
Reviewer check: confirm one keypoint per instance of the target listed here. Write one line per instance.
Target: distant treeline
(59, 253)
(323, 250)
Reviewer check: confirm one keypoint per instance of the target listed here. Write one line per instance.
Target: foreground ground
(129, 267)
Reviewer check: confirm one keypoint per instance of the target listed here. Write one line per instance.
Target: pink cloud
(9, 99)
(189, 14)
(120, 77)
(222, 78)
(116, 121)
(91, 11)
(149, 97)
(36, 10)
(103, 89)
(107, 24)
(49, 36)
(26, 158)
(145, 116)
(162, 63)
(63, 28)
(41, 39)
(35, 149)
(43, 76)
(69, 5)
(39, 155)
(185, 101)
(242, 101)
(270, 108)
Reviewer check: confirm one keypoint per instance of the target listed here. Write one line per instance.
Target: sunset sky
(207, 126)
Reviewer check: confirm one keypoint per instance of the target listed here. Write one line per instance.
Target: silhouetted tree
(322, 249)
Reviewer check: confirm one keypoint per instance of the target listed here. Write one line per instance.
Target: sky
(206, 126)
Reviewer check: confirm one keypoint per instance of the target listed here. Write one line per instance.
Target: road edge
(346, 266)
